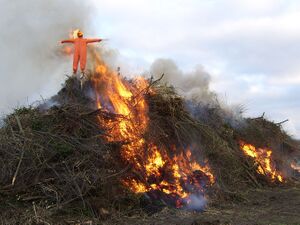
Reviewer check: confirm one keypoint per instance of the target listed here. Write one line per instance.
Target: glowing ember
(263, 158)
(173, 179)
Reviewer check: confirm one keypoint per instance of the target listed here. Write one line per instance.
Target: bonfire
(118, 144)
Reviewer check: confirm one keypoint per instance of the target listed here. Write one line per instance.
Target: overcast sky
(251, 48)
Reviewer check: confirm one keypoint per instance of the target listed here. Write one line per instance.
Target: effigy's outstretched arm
(93, 40)
(67, 41)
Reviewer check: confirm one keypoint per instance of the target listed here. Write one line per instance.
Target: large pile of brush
(55, 160)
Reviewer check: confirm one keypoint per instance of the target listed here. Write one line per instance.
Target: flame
(74, 33)
(263, 158)
(154, 171)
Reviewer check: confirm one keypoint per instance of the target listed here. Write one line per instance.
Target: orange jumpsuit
(80, 51)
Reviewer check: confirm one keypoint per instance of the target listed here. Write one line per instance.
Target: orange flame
(154, 169)
(74, 34)
(263, 158)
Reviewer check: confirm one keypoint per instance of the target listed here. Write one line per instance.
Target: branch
(282, 122)
(22, 154)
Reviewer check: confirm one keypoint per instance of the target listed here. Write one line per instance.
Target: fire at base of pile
(264, 160)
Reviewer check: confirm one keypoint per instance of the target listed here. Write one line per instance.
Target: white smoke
(192, 85)
(29, 43)
(196, 202)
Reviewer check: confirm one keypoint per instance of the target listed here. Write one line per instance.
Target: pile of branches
(232, 127)
(57, 155)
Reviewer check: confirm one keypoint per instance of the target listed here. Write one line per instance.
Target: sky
(250, 48)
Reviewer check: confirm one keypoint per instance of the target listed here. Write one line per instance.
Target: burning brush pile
(119, 145)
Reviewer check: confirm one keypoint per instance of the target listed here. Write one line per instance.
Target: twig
(91, 112)
(282, 122)
(159, 79)
(18, 168)
(19, 124)
(152, 83)
(43, 99)
(253, 178)
(261, 117)
(22, 154)
(76, 185)
(12, 131)
(35, 212)
(118, 173)
(145, 90)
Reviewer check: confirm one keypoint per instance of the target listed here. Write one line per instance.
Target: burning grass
(121, 146)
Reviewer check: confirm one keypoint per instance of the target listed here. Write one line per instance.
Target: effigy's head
(80, 34)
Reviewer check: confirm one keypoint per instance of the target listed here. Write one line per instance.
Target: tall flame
(74, 34)
(154, 171)
(263, 158)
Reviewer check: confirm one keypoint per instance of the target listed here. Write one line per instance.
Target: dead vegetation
(56, 164)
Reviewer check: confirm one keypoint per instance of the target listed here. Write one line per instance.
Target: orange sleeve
(67, 41)
(93, 40)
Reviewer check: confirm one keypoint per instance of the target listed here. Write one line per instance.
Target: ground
(272, 206)
(267, 206)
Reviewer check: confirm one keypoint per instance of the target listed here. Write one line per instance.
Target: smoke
(31, 63)
(196, 202)
(192, 85)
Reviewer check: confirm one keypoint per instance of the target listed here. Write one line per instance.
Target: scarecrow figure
(80, 53)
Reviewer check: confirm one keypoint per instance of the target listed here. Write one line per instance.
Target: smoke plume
(31, 64)
(192, 85)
